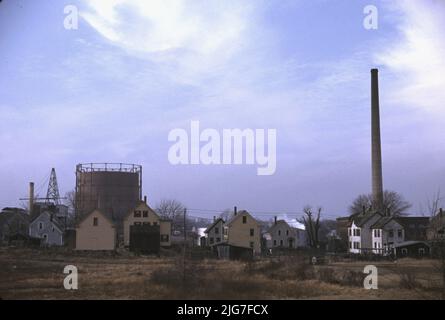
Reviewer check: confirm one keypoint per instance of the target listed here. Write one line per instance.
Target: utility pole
(183, 256)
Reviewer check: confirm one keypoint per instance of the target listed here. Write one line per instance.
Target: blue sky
(112, 90)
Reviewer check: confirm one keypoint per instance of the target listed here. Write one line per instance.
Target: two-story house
(47, 227)
(283, 235)
(394, 231)
(149, 229)
(214, 232)
(359, 232)
(243, 230)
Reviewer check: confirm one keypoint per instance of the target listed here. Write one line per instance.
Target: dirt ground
(38, 274)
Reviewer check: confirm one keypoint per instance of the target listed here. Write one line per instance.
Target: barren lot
(38, 274)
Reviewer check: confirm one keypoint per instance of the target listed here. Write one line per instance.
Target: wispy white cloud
(417, 57)
(188, 39)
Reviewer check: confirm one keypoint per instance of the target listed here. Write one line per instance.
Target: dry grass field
(38, 274)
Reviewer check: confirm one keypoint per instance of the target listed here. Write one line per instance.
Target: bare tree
(311, 223)
(171, 209)
(434, 203)
(70, 200)
(393, 202)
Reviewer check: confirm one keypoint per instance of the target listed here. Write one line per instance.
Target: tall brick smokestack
(376, 151)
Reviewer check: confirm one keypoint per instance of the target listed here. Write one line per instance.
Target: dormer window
(244, 219)
(95, 221)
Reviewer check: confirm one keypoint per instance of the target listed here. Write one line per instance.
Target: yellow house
(96, 232)
(242, 230)
(142, 214)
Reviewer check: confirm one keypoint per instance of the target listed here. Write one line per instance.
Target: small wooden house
(96, 231)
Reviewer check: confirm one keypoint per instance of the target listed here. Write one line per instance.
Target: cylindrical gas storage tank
(113, 188)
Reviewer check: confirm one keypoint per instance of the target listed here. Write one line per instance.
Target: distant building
(436, 229)
(359, 232)
(389, 232)
(47, 228)
(96, 232)
(214, 232)
(242, 230)
(149, 222)
(282, 235)
(14, 224)
(373, 232)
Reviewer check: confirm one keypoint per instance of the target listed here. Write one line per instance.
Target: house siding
(152, 218)
(43, 225)
(100, 237)
(238, 233)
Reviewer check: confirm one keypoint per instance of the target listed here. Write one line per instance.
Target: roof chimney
(441, 211)
(376, 152)
(145, 199)
(214, 218)
(234, 210)
(363, 210)
(275, 220)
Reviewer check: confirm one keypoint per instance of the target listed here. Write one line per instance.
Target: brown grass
(38, 274)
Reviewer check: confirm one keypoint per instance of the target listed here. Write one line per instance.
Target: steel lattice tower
(53, 189)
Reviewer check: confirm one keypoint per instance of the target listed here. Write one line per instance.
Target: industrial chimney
(31, 198)
(376, 152)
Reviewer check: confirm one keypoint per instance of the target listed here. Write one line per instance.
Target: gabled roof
(239, 214)
(89, 214)
(213, 225)
(360, 220)
(404, 221)
(53, 220)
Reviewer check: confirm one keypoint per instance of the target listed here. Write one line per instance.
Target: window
(399, 233)
(252, 231)
(95, 221)
(164, 237)
(349, 232)
(279, 232)
(281, 242)
(137, 213)
(251, 244)
(40, 225)
(404, 251)
(287, 232)
(421, 251)
(350, 244)
(216, 230)
(244, 219)
(145, 214)
(45, 237)
(357, 232)
(218, 239)
(212, 240)
(391, 233)
(275, 243)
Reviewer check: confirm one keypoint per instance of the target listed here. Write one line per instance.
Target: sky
(112, 90)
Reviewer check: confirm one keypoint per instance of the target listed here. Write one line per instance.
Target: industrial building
(113, 188)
